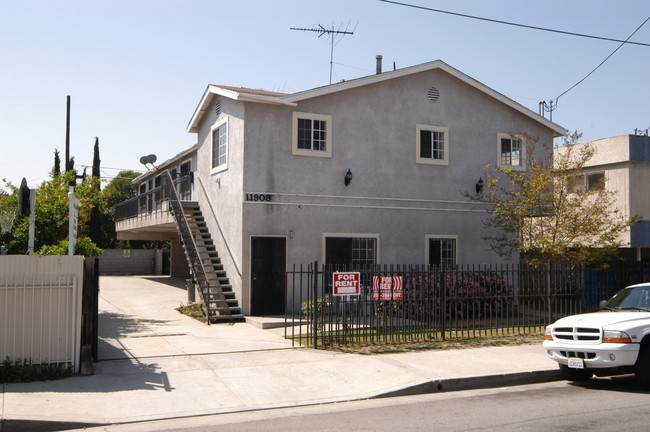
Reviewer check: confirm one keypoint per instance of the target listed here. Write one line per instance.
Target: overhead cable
(514, 24)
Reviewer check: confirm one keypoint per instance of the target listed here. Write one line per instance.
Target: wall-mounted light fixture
(479, 185)
(348, 177)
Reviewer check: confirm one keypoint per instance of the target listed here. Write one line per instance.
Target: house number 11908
(258, 197)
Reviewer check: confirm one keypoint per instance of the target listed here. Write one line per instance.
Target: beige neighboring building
(622, 164)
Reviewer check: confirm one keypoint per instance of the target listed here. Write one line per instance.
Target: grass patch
(193, 310)
(21, 371)
(404, 343)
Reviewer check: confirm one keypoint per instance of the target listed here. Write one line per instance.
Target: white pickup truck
(614, 340)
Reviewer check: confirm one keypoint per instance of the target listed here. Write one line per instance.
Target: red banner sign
(387, 288)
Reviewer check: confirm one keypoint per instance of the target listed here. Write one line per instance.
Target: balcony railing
(152, 200)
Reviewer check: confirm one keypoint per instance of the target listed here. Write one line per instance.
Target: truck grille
(579, 354)
(577, 334)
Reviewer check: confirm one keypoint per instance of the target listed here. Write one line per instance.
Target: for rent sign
(387, 288)
(348, 283)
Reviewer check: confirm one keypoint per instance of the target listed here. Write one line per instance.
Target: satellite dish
(152, 158)
(143, 160)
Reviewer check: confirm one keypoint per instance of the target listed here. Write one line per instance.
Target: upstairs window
(312, 135)
(592, 181)
(510, 152)
(432, 145)
(220, 146)
(596, 181)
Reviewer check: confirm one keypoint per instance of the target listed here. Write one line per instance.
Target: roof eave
(211, 90)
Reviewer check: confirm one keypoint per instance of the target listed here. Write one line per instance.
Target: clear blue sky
(136, 69)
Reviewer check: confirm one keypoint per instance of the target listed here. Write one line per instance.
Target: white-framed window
(511, 152)
(351, 249)
(441, 250)
(432, 145)
(311, 135)
(220, 146)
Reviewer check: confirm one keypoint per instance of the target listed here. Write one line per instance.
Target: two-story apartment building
(370, 170)
(621, 164)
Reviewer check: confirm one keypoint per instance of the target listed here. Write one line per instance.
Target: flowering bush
(467, 295)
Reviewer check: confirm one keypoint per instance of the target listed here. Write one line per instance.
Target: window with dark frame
(511, 152)
(442, 251)
(596, 181)
(312, 134)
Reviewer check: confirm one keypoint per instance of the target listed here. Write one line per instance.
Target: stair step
(234, 310)
(228, 296)
(227, 318)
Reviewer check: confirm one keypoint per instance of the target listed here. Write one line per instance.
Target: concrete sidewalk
(157, 364)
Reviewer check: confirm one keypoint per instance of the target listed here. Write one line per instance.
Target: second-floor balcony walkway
(147, 216)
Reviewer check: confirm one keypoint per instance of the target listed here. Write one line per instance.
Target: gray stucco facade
(267, 190)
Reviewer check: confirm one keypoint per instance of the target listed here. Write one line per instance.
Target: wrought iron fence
(343, 305)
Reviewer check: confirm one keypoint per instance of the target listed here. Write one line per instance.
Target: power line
(603, 62)
(515, 24)
(552, 105)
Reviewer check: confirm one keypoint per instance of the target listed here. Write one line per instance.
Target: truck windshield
(630, 299)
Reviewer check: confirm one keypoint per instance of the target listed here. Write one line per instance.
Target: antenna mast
(330, 32)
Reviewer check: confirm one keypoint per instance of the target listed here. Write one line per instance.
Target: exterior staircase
(218, 299)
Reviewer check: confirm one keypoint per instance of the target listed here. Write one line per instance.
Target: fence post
(89, 315)
(548, 292)
(443, 302)
(315, 311)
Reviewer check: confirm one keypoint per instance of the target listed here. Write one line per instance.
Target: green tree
(52, 212)
(118, 190)
(545, 214)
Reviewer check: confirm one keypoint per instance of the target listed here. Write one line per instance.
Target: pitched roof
(261, 96)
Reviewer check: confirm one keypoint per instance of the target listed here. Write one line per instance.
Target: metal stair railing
(196, 263)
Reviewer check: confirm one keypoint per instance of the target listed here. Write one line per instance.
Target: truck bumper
(602, 355)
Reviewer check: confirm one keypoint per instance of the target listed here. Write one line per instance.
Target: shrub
(468, 295)
(84, 247)
(25, 371)
(318, 307)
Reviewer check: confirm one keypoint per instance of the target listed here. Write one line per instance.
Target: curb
(433, 386)
(473, 383)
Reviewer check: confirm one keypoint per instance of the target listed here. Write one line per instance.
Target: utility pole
(67, 135)
(330, 32)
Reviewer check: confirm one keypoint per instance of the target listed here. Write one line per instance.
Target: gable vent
(217, 107)
(433, 95)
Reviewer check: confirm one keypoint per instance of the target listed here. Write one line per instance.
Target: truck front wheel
(571, 374)
(642, 367)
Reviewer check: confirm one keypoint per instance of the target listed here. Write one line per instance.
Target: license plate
(576, 363)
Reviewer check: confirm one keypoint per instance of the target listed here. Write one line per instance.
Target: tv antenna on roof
(330, 32)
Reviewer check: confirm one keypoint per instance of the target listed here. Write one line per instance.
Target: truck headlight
(548, 334)
(614, 336)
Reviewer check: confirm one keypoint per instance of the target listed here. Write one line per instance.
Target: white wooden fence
(40, 308)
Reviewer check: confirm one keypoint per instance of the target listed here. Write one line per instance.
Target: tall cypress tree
(56, 170)
(96, 160)
(94, 224)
